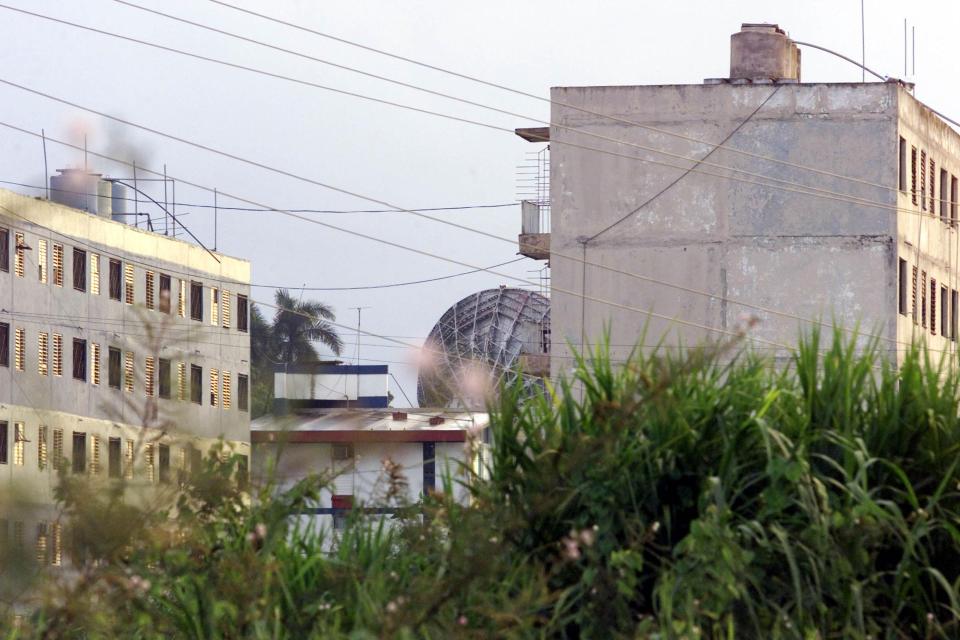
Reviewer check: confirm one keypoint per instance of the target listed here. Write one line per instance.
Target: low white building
(382, 457)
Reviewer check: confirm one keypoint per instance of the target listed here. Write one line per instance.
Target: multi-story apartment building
(680, 209)
(124, 353)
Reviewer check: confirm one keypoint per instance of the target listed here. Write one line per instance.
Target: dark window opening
(5, 250)
(944, 312)
(243, 471)
(79, 269)
(923, 299)
(429, 467)
(79, 452)
(4, 344)
(913, 295)
(342, 504)
(116, 280)
(953, 314)
(164, 455)
(79, 359)
(944, 190)
(243, 392)
(903, 286)
(164, 293)
(4, 440)
(903, 164)
(196, 461)
(113, 454)
(165, 383)
(243, 313)
(196, 384)
(196, 301)
(114, 368)
(933, 306)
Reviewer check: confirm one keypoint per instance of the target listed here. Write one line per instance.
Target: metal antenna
(359, 310)
(904, 48)
(214, 219)
(46, 172)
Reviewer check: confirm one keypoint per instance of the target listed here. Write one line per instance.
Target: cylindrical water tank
(104, 198)
(75, 188)
(119, 202)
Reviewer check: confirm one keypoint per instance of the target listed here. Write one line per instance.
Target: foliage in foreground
(671, 497)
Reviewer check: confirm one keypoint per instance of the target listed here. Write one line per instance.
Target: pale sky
(409, 159)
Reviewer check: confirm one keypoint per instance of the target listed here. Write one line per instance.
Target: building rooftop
(368, 425)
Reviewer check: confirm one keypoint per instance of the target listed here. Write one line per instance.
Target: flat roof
(368, 425)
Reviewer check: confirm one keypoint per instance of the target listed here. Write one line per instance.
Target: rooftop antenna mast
(359, 311)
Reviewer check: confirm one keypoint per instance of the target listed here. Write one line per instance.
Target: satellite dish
(478, 344)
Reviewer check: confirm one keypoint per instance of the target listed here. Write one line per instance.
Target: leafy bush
(711, 495)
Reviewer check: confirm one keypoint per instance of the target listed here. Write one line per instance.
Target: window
(19, 443)
(42, 448)
(57, 355)
(225, 308)
(903, 164)
(128, 460)
(953, 200)
(214, 306)
(148, 285)
(42, 261)
(128, 371)
(113, 368)
(79, 359)
(944, 312)
(164, 293)
(933, 306)
(4, 442)
(148, 462)
(214, 387)
(181, 381)
(944, 190)
(4, 249)
(227, 392)
(182, 300)
(163, 452)
(4, 344)
(149, 368)
(164, 378)
(954, 315)
(933, 178)
(79, 452)
(196, 301)
(18, 254)
(79, 269)
(196, 460)
(196, 384)
(43, 354)
(128, 283)
(913, 295)
(342, 452)
(242, 313)
(95, 274)
(923, 180)
(923, 299)
(115, 286)
(57, 448)
(56, 555)
(913, 175)
(40, 551)
(243, 392)
(113, 457)
(429, 467)
(18, 345)
(95, 363)
(58, 264)
(94, 455)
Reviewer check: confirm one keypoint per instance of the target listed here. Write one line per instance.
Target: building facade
(124, 353)
(679, 210)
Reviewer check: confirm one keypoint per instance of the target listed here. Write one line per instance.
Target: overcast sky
(409, 159)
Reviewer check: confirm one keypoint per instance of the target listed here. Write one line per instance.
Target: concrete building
(123, 354)
(820, 201)
(363, 444)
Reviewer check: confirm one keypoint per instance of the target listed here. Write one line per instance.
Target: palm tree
(298, 324)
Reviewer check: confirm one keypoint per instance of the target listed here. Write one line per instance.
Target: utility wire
(404, 247)
(442, 221)
(566, 105)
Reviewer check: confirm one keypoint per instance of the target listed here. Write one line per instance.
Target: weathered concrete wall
(765, 239)
(64, 402)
